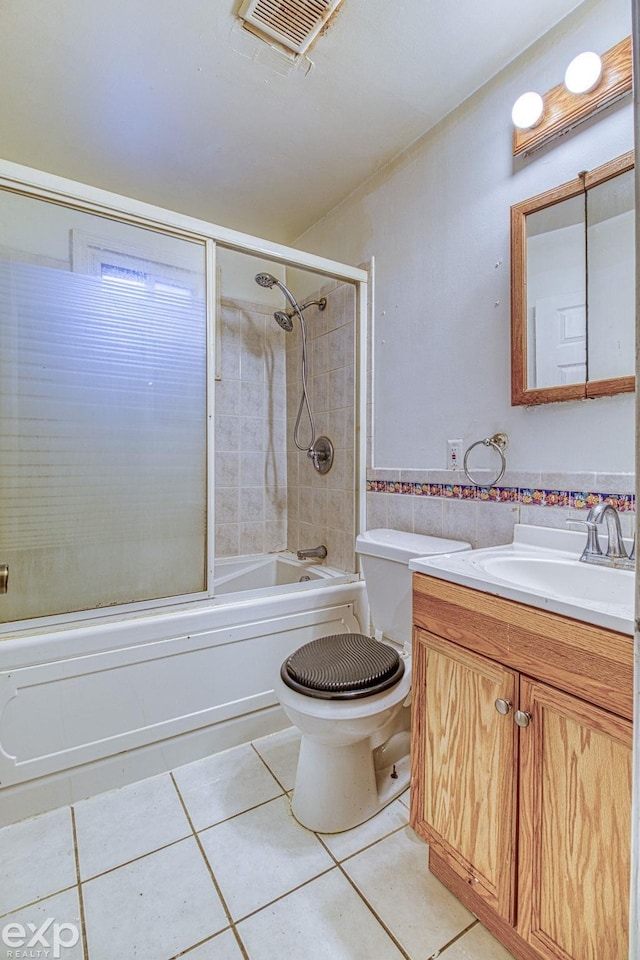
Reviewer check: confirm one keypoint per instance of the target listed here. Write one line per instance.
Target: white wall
(237, 277)
(437, 222)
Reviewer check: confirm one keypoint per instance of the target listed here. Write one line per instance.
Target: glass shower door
(103, 411)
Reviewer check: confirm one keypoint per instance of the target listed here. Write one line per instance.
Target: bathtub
(97, 704)
(241, 574)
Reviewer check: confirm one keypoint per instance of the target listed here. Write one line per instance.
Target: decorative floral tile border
(577, 499)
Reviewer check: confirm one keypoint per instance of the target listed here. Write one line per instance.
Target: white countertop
(593, 594)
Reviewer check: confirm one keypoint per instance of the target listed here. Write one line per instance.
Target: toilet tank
(385, 556)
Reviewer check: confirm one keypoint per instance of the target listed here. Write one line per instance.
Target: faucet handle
(592, 547)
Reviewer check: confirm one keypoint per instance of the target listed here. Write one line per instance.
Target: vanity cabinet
(521, 769)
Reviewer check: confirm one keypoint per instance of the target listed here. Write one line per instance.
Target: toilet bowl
(349, 695)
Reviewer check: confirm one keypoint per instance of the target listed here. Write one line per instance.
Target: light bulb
(527, 111)
(583, 73)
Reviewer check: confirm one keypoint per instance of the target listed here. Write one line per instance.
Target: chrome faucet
(616, 555)
(313, 553)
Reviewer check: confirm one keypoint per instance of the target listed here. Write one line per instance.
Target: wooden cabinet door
(463, 780)
(575, 827)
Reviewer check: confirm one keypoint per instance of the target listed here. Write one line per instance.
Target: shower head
(285, 321)
(265, 280)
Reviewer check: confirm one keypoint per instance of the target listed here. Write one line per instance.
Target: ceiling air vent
(293, 23)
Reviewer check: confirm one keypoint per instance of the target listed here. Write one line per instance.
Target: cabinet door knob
(503, 706)
(522, 718)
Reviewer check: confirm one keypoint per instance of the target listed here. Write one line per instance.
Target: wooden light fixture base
(564, 110)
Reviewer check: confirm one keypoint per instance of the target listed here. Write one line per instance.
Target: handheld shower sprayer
(319, 450)
(267, 280)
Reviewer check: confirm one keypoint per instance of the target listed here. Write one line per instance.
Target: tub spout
(313, 553)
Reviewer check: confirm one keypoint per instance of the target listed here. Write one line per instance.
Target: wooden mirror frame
(521, 394)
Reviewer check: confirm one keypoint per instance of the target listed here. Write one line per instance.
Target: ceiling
(173, 102)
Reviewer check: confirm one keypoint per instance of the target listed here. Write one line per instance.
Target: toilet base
(338, 787)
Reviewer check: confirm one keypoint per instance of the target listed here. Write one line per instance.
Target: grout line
(241, 946)
(234, 816)
(83, 921)
(450, 943)
(373, 843)
(283, 896)
(33, 903)
(384, 926)
(361, 895)
(259, 755)
(126, 863)
(209, 868)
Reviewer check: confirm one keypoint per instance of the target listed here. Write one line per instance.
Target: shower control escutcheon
(321, 454)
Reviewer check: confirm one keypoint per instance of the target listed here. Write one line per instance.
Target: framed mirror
(573, 288)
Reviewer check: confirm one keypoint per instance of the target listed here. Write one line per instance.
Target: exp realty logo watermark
(26, 941)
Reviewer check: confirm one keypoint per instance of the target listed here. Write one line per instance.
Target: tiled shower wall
(250, 426)
(321, 509)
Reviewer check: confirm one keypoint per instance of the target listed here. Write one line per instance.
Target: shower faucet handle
(321, 454)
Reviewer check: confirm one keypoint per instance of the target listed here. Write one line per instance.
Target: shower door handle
(4, 577)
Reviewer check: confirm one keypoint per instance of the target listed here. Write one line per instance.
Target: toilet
(349, 694)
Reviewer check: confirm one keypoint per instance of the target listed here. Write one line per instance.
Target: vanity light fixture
(591, 84)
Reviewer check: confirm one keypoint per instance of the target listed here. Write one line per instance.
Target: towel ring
(499, 442)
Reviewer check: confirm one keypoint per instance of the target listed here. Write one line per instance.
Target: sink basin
(541, 567)
(564, 578)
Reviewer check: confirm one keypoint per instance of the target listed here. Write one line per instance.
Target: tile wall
(250, 428)
(321, 509)
(444, 503)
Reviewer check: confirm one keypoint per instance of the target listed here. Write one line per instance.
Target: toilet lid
(342, 667)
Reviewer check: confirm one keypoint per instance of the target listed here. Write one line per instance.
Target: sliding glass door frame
(39, 184)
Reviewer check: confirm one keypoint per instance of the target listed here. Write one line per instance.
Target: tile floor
(207, 863)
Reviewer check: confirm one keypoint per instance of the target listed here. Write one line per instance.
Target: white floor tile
(394, 878)
(224, 785)
(351, 841)
(155, 907)
(280, 752)
(119, 826)
(324, 920)
(65, 928)
(36, 859)
(222, 947)
(478, 944)
(261, 855)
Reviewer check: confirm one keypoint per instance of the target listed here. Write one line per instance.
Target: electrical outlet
(454, 454)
